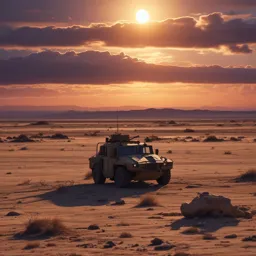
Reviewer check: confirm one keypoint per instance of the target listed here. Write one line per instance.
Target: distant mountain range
(152, 113)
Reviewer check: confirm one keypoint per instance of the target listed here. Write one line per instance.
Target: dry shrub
(25, 183)
(44, 227)
(191, 231)
(148, 201)
(32, 245)
(125, 235)
(249, 176)
(88, 175)
(213, 138)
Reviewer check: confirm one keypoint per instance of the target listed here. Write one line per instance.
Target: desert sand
(47, 179)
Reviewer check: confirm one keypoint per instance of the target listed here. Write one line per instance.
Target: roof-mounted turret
(122, 138)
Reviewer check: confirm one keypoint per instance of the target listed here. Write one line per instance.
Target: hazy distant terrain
(124, 114)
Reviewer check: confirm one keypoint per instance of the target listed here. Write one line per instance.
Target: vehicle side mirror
(157, 151)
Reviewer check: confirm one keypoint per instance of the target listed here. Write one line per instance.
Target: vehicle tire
(122, 177)
(165, 178)
(97, 174)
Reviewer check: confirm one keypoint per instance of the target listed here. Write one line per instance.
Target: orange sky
(179, 34)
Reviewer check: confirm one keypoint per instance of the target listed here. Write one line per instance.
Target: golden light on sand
(142, 16)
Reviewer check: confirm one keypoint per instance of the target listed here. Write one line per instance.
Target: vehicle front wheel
(122, 177)
(97, 175)
(165, 178)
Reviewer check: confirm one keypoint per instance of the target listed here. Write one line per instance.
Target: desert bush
(59, 136)
(213, 138)
(44, 228)
(22, 139)
(32, 245)
(249, 176)
(88, 175)
(125, 235)
(148, 201)
(235, 139)
(250, 239)
(25, 182)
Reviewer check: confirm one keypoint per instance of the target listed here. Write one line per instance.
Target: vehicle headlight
(135, 165)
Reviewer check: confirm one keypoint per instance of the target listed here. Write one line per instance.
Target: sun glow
(142, 16)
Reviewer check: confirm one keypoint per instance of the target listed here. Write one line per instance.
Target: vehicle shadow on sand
(96, 195)
(205, 224)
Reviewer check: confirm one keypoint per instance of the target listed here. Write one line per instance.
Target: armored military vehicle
(122, 160)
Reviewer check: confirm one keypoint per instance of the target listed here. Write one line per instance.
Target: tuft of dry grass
(125, 235)
(25, 183)
(249, 176)
(148, 201)
(44, 228)
(31, 245)
(191, 231)
(88, 175)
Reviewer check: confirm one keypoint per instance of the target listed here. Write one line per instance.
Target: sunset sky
(104, 53)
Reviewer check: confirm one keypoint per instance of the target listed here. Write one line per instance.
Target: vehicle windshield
(135, 150)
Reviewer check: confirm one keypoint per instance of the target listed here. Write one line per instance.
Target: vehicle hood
(145, 159)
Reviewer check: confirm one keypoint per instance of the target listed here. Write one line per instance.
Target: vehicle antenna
(117, 121)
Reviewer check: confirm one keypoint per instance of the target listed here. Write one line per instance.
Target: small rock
(24, 149)
(109, 244)
(12, 214)
(121, 202)
(8, 173)
(156, 241)
(93, 227)
(209, 237)
(194, 186)
(86, 245)
(233, 236)
(164, 247)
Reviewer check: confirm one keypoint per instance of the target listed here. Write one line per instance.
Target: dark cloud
(209, 31)
(94, 67)
(240, 49)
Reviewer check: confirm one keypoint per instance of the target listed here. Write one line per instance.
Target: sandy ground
(36, 173)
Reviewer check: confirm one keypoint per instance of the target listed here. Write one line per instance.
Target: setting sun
(142, 16)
